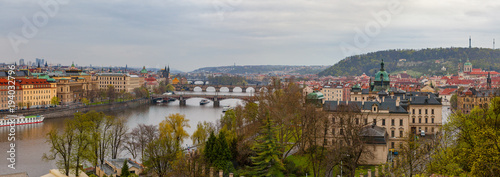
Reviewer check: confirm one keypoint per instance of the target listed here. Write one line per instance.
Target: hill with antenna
(430, 61)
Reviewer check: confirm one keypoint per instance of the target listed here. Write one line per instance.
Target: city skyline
(192, 34)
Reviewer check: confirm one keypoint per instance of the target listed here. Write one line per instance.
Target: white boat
(226, 108)
(204, 102)
(20, 120)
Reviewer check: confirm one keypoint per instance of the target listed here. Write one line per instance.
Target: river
(30, 139)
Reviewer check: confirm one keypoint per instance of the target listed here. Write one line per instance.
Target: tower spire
(469, 42)
(382, 65)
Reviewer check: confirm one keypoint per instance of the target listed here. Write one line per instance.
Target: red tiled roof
(447, 91)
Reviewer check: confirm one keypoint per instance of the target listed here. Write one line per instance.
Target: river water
(30, 139)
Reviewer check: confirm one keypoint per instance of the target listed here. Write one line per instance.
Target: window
(400, 133)
(374, 109)
(432, 111)
(432, 120)
(419, 120)
(425, 120)
(413, 111)
(392, 145)
(341, 131)
(432, 129)
(333, 131)
(333, 120)
(419, 111)
(366, 121)
(400, 122)
(425, 111)
(392, 133)
(392, 122)
(357, 121)
(375, 121)
(413, 121)
(425, 129)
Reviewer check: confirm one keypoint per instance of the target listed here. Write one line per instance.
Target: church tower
(488, 80)
(468, 66)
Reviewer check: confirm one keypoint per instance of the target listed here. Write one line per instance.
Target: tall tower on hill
(469, 42)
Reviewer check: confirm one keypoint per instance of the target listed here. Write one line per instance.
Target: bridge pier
(216, 102)
(182, 102)
(243, 90)
(230, 89)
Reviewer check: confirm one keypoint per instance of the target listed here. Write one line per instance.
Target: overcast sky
(189, 34)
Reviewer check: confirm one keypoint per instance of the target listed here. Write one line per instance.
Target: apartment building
(37, 92)
(121, 81)
(4, 94)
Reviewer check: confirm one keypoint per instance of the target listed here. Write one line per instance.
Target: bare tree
(137, 140)
(118, 131)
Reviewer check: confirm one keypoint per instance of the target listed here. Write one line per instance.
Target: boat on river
(20, 120)
(204, 102)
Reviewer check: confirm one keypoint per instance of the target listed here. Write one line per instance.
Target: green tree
(111, 93)
(125, 172)
(471, 143)
(222, 153)
(170, 88)
(85, 101)
(55, 100)
(160, 156)
(267, 161)
(454, 101)
(202, 132)
(173, 127)
(210, 151)
(61, 148)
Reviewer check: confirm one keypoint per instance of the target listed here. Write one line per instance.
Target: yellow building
(37, 92)
(4, 94)
(333, 93)
(121, 82)
(398, 115)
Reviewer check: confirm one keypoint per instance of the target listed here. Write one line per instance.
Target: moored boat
(204, 102)
(226, 108)
(20, 120)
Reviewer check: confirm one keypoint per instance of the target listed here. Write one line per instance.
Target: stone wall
(63, 112)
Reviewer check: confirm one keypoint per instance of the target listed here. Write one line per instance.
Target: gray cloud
(190, 34)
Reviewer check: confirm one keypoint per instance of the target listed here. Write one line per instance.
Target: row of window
(37, 97)
(420, 120)
(356, 120)
(109, 82)
(36, 91)
(420, 111)
(112, 78)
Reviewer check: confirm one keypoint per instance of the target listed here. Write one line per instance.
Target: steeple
(38, 65)
(110, 71)
(73, 64)
(488, 80)
(382, 65)
(46, 65)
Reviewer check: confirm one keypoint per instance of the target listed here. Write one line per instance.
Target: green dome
(51, 80)
(467, 63)
(382, 75)
(356, 86)
(315, 95)
(144, 71)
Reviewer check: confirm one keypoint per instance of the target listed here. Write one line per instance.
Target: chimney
(383, 99)
(429, 95)
(397, 101)
(363, 102)
(347, 102)
(338, 102)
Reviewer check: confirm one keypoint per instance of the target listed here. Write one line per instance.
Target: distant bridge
(191, 87)
(216, 98)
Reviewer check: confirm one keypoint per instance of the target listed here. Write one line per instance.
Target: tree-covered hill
(416, 62)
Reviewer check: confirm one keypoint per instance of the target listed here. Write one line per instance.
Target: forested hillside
(416, 62)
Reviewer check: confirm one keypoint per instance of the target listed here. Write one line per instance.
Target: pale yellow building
(333, 93)
(4, 94)
(121, 82)
(399, 115)
(37, 92)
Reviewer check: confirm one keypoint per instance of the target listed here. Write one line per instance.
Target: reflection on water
(30, 139)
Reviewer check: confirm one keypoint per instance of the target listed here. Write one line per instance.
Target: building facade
(120, 81)
(37, 92)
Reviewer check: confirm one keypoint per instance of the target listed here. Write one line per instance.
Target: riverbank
(69, 111)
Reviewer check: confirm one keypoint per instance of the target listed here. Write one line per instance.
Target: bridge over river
(215, 97)
(217, 88)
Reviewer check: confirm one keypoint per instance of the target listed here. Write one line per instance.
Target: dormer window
(374, 108)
